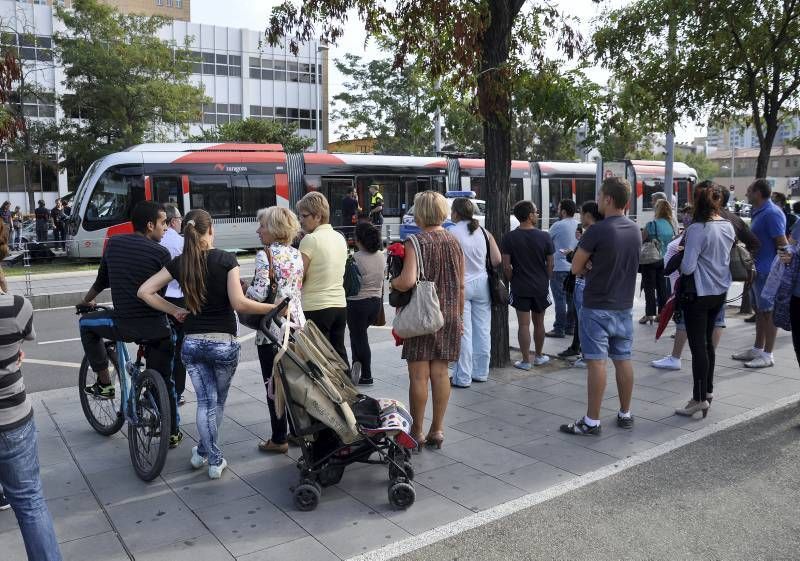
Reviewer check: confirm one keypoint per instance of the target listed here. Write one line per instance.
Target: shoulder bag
(352, 277)
(497, 288)
(422, 315)
(380, 319)
(741, 263)
(651, 249)
(253, 321)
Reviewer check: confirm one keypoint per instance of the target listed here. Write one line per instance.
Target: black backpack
(352, 277)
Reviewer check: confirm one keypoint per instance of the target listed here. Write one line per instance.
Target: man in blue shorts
(608, 257)
(769, 225)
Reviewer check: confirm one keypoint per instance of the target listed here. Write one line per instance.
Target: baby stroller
(334, 424)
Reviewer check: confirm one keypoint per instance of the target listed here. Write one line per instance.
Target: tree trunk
(762, 164)
(495, 108)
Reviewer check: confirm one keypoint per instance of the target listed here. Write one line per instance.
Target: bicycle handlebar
(270, 317)
(87, 308)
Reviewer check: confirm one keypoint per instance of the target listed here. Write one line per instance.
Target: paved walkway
(501, 443)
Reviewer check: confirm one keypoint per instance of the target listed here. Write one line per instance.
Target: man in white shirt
(563, 235)
(173, 241)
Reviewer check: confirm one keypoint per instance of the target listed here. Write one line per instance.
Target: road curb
(498, 512)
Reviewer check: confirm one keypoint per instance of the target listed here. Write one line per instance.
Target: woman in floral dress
(277, 228)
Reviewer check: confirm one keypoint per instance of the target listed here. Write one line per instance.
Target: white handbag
(422, 315)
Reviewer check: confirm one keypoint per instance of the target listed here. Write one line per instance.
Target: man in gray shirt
(608, 257)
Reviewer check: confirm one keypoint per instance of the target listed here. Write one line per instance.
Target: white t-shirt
(173, 241)
(474, 248)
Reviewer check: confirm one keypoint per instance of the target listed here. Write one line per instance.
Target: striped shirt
(128, 261)
(16, 325)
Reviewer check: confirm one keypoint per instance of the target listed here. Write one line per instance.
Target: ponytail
(194, 266)
(465, 209)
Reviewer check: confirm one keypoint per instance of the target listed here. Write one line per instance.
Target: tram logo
(230, 169)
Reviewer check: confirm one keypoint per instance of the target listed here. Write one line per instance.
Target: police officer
(375, 205)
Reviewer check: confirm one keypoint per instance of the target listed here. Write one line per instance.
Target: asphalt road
(731, 496)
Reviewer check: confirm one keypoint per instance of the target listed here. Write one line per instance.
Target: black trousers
(360, 315)
(332, 322)
(178, 369)
(158, 353)
(266, 356)
(794, 315)
(654, 286)
(699, 317)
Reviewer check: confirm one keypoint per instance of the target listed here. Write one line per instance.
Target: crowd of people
(183, 296)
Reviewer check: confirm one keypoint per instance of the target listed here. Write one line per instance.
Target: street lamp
(318, 84)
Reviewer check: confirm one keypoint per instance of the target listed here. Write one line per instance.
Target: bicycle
(140, 397)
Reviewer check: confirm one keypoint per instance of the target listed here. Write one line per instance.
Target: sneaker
(763, 361)
(580, 428)
(197, 460)
(362, 381)
(181, 400)
(355, 372)
(568, 352)
(215, 472)
(580, 363)
(746, 356)
(103, 391)
(175, 439)
(667, 363)
(751, 319)
(540, 360)
(554, 334)
(4, 504)
(522, 365)
(624, 422)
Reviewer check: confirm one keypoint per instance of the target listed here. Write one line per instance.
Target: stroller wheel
(401, 495)
(306, 496)
(394, 473)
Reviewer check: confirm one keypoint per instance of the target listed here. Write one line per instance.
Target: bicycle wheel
(104, 414)
(148, 439)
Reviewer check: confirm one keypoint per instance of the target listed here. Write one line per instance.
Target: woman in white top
(363, 308)
(473, 361)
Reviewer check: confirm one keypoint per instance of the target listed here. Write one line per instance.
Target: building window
(179, 4)
(30, 47)
(212, 64)
(221, 113)
(159, 2)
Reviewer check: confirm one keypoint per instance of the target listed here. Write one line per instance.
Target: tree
(394, 106)
(477, 46)
(258, 131)
(127, 85)
(726, 61)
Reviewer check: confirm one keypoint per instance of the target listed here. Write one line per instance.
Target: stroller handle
(270, 317)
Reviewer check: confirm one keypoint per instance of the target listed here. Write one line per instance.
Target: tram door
(334, 189)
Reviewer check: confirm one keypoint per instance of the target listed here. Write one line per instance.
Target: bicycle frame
(126, 382)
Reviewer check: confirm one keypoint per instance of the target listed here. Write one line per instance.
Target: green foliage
(727, 60)
(705, 168)
(258, 131)
(128, 85)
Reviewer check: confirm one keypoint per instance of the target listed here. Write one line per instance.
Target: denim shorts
(760, 303)
(719, 321)
(606, 333)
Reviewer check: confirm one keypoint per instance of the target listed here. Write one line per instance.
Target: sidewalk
(501, 443)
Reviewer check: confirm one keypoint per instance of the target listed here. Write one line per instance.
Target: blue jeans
(606, 334)
(211, 365)
(473, 361)
(19, 476)
(563, 305)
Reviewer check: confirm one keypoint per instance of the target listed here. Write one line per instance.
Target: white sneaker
(539, 360)
(197, 460)
(580, 363)
(667, 363)
(215, 472)
(748, 355)
(522, 365)
(762, 361)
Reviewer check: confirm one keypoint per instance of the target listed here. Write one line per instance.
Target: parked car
(408, 226)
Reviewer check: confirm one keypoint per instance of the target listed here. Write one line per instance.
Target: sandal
(270, 446)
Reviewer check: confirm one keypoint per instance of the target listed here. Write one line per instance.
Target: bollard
(26, 263)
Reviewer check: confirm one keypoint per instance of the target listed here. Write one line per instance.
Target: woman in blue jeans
(19, 458)
(209, 278)
(473, 361)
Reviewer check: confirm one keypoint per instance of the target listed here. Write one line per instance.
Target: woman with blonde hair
(661, 229)
(281, 266)
(324, 252)
(428, 355)
(212, 289)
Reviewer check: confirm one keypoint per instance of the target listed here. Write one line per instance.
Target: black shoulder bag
(497, 288)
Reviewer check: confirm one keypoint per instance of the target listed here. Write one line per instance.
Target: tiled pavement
(502, 442)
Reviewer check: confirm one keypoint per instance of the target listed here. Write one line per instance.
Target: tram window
(517, 191)
(584, 191)
(167, 190)
(652, 186)
(438, 184)
(683, 193)
(478, 185)
(394, 203)
(559, 189)
(212, 193)
(252, 193)
(114, 196)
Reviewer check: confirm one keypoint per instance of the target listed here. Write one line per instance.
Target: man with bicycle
(128, 261)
